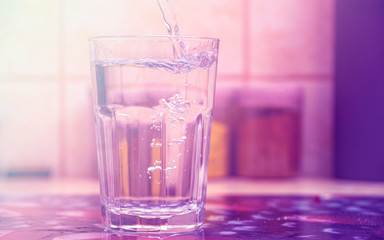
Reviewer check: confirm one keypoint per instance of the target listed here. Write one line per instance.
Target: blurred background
(300, 84)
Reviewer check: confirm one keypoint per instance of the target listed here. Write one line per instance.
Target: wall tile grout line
(29, 78)
(225, 77)
(246, 39)
(301, 77)
(59, 167)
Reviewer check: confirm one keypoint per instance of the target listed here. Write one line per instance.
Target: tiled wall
(45, 109)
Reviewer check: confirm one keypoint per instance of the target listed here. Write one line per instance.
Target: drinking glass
(153, 99)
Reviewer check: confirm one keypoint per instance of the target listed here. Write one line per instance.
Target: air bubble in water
(151, 169)
(155, 144)
(178, 141)
(175, 109)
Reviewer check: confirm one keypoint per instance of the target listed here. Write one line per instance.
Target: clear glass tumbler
(153, 99)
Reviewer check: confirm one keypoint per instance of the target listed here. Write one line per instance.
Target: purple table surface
(322, 217)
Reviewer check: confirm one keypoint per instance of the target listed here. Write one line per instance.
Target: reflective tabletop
(322, 216)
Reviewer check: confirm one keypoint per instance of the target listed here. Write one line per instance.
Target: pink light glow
(45, 107)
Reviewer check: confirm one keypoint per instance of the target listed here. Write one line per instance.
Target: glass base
(164, 220)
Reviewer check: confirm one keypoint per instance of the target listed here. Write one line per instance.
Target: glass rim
(149, 37)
